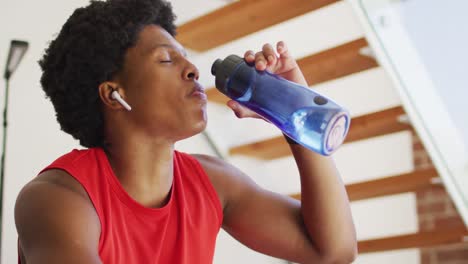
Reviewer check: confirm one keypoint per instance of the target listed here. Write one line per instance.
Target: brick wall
(436, 211)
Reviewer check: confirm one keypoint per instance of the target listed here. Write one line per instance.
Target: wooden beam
(240, 19)
(377, 124)
(268, 149)
(408, 182)
(418, 240)
(324, 66)
(362, 127)
(399, 184)
(216, 96)
(337, 62)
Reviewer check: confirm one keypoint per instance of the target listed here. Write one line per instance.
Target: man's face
(160, 84)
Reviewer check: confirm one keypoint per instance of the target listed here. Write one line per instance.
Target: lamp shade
(17, 50)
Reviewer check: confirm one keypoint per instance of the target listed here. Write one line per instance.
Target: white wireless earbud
(119, 99)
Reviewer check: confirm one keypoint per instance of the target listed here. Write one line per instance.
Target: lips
(198, 91)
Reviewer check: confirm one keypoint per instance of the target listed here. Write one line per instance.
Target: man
(130, 197)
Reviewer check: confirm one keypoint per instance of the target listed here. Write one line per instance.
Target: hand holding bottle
(272, 87)
(279, 62)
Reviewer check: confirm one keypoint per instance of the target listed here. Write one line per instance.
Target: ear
(105, 93)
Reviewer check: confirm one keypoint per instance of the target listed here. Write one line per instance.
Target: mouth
(198, 91)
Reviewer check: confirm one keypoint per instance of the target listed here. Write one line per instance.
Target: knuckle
(266, 46)
(249, 52)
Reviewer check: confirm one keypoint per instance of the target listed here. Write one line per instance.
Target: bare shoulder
(49, 189)
(212, 164)
(229, 181)
(54, 211)
(218, 170)
(60, 178)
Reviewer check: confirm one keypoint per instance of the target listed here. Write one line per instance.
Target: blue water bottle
(311, 119)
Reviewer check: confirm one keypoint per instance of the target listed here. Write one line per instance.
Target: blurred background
(398, 66)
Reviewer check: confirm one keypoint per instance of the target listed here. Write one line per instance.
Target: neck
(144, 169)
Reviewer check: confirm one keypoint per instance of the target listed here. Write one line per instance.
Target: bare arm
(56, 223)
(325, 207)
(262, 220)
(319, 229)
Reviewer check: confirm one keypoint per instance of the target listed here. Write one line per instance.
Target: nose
(191, 72)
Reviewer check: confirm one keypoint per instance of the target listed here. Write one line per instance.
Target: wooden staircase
(250, 16)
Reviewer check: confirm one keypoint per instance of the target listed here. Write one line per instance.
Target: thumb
(239, 110)
(283, 50)
(242, 111)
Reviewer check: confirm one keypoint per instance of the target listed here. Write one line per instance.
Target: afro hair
(90, 50)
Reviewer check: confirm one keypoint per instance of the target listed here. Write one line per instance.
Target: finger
(239, 110)
(260, 61)
(283, 50)
(269, 53)
(249, 57)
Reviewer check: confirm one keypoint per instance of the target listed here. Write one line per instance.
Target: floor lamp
(15, 55)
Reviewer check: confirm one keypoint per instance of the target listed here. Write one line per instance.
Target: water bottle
(310, 119)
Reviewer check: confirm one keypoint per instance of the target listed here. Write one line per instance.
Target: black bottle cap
(222, 69)
(216, 65)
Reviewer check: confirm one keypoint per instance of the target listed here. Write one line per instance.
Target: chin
(200, 127)
(194, 130)
(202, 122)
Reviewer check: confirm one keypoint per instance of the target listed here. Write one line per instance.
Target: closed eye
(165, 61)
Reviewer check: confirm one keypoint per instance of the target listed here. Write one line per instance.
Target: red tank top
(184, 231)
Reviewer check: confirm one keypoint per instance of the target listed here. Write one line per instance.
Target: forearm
(325, 205)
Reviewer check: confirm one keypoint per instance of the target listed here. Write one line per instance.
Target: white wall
(35, 139)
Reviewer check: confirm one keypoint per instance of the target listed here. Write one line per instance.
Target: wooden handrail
(240, 19)
(362, 127)
(408, 182)
(417, 240)
(324, 66)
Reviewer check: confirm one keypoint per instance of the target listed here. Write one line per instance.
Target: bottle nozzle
(215, 65)
(223, 69)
